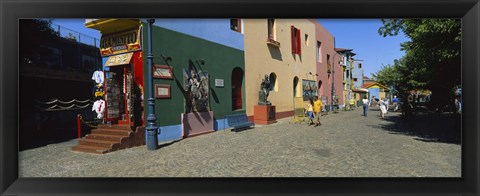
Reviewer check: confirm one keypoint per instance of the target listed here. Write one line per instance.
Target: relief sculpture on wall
(196, 89)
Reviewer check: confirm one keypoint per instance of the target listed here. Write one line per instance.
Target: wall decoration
(196, 86)
(219, 83)
(162, 91)
(309, 89)
(162, 71)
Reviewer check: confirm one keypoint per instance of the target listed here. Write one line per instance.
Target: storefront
(122, 59)
(195, 82)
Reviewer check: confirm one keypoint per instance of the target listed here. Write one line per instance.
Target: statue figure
(264, 91)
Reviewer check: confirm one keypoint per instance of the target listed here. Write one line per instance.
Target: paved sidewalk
(346, 145)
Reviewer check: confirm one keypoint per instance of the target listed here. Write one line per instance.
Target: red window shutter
(299, 42)
(294, 48)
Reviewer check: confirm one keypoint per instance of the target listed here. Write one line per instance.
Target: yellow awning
(108, 26)
(120, 59)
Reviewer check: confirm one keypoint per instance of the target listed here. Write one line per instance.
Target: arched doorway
(273, 82)
(237, 81)
(295, 86)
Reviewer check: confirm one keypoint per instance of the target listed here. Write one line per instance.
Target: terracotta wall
(327, 48)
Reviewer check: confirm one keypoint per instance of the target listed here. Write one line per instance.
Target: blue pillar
(152, 138)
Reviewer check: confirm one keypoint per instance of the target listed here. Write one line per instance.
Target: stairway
(111, 138)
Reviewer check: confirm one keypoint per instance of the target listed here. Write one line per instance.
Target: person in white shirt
(365, 105)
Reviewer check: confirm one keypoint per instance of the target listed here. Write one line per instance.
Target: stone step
(98, 143)
(114, 138)
(91, 149)
(120, 132)
(114, 126)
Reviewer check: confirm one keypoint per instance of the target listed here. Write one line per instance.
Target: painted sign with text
(126, 41)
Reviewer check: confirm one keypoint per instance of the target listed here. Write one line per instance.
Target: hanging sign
(126, 41)
(120, 59)
(162, 71)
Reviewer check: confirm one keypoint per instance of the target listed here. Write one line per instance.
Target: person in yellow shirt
(317, 109)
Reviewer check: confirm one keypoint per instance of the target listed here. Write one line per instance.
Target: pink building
(326, 58)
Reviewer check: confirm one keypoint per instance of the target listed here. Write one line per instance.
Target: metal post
(152, 139)
(79, 126)
(333, 82)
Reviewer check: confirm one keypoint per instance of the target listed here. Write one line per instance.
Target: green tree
(432, 59)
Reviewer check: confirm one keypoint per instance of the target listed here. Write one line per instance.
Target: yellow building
(283, 49)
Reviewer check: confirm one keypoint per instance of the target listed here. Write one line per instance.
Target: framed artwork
(162, 71)
(162, 91)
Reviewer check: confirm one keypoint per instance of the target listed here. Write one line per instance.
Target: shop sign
(121, 59)
(219, 83)
(163, 71)
(126, 41)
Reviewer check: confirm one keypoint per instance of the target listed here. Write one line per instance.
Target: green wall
(184, 50)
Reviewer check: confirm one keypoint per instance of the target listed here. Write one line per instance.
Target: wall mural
(309, 89)
(196, 90)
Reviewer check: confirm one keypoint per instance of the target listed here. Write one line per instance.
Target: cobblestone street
(347, 144)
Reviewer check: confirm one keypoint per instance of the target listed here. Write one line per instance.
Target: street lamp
(152, 140)
(333, 80)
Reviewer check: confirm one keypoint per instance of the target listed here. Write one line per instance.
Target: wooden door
(237, 82)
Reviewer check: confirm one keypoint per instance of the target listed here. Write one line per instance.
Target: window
(49, 57)
(236, 25)
(319, 51)
(329, 66)
(273, 82)
(296, 40)
(360, 65)
(306, 39)
(295, 87)
(88, 63)
(271, 29)
(355, 79)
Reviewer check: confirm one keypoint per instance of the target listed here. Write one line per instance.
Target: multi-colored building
(346, 63)
(205, 69)
(376, 89)
(357, 73)
(284, 51)
(196, 81)
(327, 59)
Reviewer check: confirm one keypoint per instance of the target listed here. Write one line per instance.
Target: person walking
(373, 101)
(317, 108)
(395, 103)
(383, 107)
(309, 111)
(365, 105)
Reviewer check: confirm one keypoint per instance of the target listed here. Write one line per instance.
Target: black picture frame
(11, 11)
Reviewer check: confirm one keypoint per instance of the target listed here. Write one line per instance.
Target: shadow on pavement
(426, 126)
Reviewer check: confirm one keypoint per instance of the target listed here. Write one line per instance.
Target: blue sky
(361, 35)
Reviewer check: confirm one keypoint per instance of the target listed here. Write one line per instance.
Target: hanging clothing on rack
(98, 77)
(99, 108)
(98, 91)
